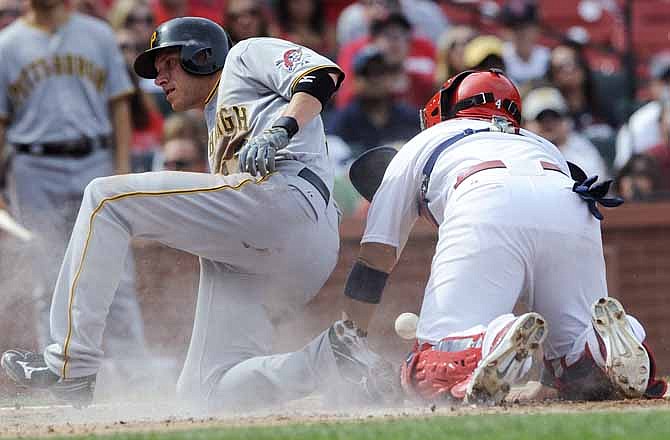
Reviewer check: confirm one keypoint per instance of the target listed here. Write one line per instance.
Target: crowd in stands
(396, 54)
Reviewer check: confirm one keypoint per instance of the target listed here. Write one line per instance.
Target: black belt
(316, 182)
(76, 148)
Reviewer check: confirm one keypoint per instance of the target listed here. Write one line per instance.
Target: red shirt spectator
(418, 60)
(166, 9)
(661, 153)
(302, 22)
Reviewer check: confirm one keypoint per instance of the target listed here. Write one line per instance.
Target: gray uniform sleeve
(118, 78)
(279, 64)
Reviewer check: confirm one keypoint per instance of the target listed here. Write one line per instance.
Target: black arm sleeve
(319, 84)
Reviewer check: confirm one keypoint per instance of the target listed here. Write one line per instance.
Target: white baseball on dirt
(405, 325)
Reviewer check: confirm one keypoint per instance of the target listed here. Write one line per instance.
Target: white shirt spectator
(580, 151)
(427, 19)
(641, 132)
(522, 71)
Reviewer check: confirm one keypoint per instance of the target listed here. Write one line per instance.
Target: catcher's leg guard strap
(583, 380)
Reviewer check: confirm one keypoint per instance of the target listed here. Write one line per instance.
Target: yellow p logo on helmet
(153, 39)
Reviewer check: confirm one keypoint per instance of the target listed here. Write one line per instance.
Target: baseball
(405, 325)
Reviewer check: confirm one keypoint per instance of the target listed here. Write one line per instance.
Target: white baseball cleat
(508, 360)
(627, 362)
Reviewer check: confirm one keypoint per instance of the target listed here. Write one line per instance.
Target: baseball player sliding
(266, 232)
(512, 223)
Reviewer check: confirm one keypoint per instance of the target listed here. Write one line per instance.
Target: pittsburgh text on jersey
(232, 126)
(57, 65)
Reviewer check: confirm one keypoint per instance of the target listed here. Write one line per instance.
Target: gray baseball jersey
(266, 245)
(56, 87)
(245, 107)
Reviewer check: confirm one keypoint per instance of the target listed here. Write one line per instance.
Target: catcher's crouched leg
(615, 364)
(441, 371)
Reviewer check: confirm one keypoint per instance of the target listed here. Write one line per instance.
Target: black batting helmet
(203, 46)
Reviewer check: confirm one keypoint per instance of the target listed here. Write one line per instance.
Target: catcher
(512, 222)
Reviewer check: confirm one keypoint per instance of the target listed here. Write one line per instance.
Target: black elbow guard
(319, 84)
(365, 284)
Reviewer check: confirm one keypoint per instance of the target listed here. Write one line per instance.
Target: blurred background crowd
(594, 74)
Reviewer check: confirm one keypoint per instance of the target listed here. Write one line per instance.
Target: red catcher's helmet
(474, 94)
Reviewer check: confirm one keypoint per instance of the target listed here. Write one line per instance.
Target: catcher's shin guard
(508, 360)
(437, 372)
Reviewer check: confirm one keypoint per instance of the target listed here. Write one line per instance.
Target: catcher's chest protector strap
(428, 169)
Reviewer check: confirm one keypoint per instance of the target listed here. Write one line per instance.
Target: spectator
(246, 19)
(185, 125)
(545, 112)
(570, 73)
(146, 119)
(302, 21)
(661, 151)
(184, 144)
(484, 52)
(642, 131)
(166, 9)
(426, 17)
(450, 53)
(414, 56)
(525, 60)
(94, 8)
(639, 179)
(66, 125)
(136, 18)
(10, 10)
(183, 154)
(134, 15)
(373, 118)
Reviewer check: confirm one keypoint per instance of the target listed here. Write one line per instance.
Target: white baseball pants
(506, 235)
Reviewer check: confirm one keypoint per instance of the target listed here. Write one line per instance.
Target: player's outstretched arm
(367, 280)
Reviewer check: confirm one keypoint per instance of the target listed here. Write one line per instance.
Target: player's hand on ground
(257, 156)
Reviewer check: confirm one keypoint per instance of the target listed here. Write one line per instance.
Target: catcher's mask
(474, 94)
(203, 46)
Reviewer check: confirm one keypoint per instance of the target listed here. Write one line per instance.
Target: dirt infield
(107, 418)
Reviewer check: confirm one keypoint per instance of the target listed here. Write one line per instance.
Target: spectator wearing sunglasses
(183, 154)
(138, 20)
(184, 144)
(135, 15)
(10, 10)
(145, 116)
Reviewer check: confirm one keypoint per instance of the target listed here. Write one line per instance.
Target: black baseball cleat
(29, 370)
(361, 367)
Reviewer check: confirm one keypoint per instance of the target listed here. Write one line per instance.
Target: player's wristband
(288, 123)
(365, 284)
